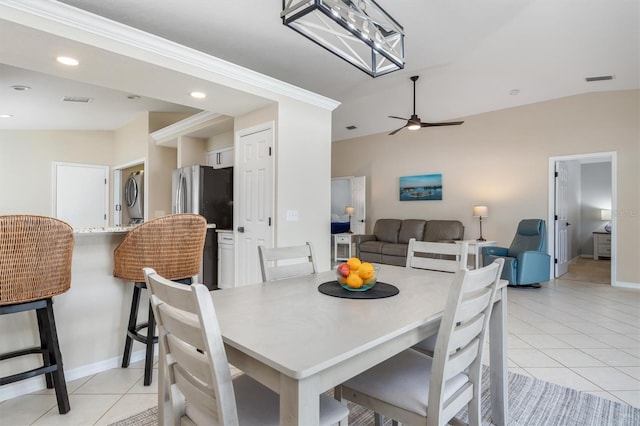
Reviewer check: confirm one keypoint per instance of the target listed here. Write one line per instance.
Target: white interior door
(562, 240)
(81, 194)
(359, 203)
(255, 201)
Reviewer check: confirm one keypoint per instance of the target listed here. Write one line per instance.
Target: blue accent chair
(526, 262)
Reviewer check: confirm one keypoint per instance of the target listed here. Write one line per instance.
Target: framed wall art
(421, 187)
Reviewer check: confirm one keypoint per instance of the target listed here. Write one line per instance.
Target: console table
(601, 245)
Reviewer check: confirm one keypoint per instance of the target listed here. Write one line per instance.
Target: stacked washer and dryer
(134, 197)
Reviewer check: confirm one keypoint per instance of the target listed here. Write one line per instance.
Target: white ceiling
(470, 55)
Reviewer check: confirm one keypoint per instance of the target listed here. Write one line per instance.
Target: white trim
(189, 124)
(81, 20)
(37, 383)
(611, 156)
(623, 284)
(137, 162)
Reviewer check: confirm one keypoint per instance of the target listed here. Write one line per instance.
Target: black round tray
(379, 291)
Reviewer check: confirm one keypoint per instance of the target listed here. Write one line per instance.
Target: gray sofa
(390, 239)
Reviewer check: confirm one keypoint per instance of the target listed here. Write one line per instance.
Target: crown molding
(80, 20)
(189, 124)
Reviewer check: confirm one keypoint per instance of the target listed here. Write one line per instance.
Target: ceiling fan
(414, 123)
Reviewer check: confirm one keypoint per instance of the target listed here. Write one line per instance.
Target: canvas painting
(421, 187)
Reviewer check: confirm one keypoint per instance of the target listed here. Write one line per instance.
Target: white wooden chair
(195, 386)
(455, 258)
(286, 262)
(432, 255)
(413, 388)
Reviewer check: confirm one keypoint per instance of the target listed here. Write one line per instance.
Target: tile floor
(574, 332)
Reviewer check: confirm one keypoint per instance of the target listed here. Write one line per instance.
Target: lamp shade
(605, 214)
(349, 210)
(480, 211)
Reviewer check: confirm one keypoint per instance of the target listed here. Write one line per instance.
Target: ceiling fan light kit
(414, 123)
(358, 31)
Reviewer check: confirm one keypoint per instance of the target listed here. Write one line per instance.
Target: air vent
(351, 127)
(599, 78)
(79, 99)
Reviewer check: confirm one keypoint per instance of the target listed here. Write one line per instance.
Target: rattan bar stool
(35, 265)
(172, 244)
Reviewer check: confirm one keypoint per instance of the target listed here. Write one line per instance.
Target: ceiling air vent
(79, 99)
(599, 78)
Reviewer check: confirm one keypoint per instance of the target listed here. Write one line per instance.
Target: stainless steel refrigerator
(208, 192)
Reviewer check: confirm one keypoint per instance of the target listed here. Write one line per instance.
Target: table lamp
(480, 212)
(349, 211)
(605, 214)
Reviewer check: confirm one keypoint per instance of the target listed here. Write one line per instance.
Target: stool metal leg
(131, 327)
(148, 362)
(53, 349)
(46, 359)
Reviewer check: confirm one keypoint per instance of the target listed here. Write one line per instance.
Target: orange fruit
(353, 281)
(354, 263)
(366, 271)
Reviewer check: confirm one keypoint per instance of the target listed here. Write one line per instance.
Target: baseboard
(34, 384)
(626, 285)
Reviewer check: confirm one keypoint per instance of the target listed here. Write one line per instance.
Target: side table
(475, 249)
(601, 245)
(341, 240)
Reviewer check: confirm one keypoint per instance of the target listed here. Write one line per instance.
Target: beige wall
(26, 159)
(131, 140)
(303, 182)
(501, 159)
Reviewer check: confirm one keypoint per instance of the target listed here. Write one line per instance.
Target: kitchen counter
(103, 230)
(91, 317)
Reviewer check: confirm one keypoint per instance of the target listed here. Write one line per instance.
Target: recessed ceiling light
(21, 88)
(66, 60)
(198, 95)
(6, 115)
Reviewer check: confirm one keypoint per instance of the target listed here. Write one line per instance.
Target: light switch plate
(292, 215)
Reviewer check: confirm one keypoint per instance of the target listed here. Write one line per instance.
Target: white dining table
(301, 343)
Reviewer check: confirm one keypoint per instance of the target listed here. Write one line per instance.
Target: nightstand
(475, 249)
(341, 240)
(601, 245)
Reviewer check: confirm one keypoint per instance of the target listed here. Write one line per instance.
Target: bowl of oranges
(354, 275)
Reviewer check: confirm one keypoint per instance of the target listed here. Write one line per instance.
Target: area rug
(532, 402)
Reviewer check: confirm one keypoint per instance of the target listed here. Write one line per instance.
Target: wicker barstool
(172, 244)
(35, 265)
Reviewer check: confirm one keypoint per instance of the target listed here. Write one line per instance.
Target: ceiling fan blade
(449, 123)
(397, 130)
(399, 118)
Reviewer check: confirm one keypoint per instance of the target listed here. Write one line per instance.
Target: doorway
(581, 188)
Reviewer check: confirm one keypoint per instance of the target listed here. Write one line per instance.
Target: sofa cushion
(411, 228)
(443, 230)
(399, 249)
(371, 246)
(387, 230)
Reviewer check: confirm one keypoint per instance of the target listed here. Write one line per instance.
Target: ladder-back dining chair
(413, 388)
(195, 378)
(35, 265)
(447, 257)
(286, 262)
(172, 245)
